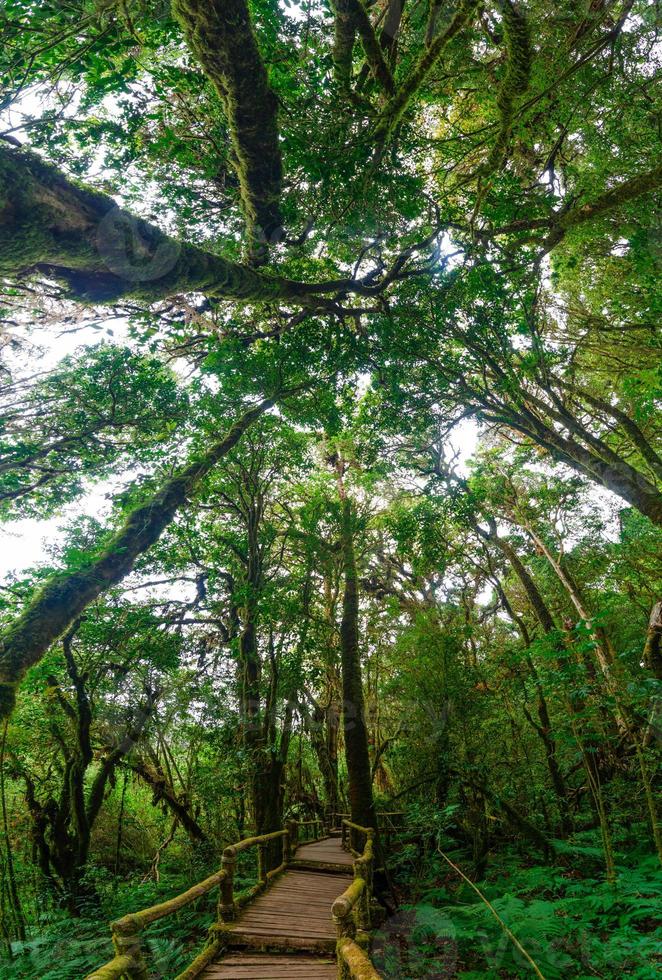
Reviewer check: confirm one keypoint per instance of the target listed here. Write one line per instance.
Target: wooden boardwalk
(267, 966)
(293, 915)
(309, 918)
(324, 852)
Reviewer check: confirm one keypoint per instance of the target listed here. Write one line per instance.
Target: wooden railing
(129, 960)
(353, 910)
(306, 831)
(229, 903)
(389, 822)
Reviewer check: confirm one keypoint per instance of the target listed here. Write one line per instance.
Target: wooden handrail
(316, 824)
(129, 960)
(156, 912)
(353, 962)
(117, 968)
(357, 826)
(380, 815)
(352, 912)
(248, 842)
(346, 903)
(349, 832)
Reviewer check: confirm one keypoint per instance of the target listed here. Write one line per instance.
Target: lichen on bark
(220, 34)
(58, 229)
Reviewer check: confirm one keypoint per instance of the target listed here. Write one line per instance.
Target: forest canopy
(349, 311)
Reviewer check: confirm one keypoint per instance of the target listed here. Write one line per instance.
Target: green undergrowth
(64, 948)
(568, 918)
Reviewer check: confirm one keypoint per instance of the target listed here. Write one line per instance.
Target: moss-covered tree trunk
(357, 751)
(55, 228)
(220, 35)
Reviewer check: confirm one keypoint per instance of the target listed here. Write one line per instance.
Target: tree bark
(354, 724)
(220, 34)
(652, 656)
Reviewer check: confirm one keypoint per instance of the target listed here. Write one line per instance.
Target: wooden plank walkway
(293, 914)
(327, 851)
(267, 966)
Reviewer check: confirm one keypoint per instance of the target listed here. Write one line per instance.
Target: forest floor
(570, 921)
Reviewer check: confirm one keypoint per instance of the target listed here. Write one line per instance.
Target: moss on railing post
(343, 969)
(262, 862)
(353, 962)
(126, 940)
(287, 845)
(216, 942)
(362, 870)
(292, 828)
(226, 908)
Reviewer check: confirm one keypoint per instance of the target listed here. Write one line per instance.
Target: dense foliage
(369, 374)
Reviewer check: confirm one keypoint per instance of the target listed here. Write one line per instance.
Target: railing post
(363, 922)
(287, 846)
(126, 940)
(344, 972)
(226, 909)
(292, 827)
(345, 926)
(262, 861)
(344, 835)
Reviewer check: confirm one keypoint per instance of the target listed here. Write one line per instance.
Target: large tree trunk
(603, 649)
(67, 594)
(544, 725)
(354, 722)
(599, 463)
(652, 656)
(220, 34)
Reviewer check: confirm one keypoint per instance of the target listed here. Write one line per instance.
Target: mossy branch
(557, 224)
(344, 34)
(515, 79)
(220, 34)
(374, 52)
(396, 107)
(64, 597)
(53, 227)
